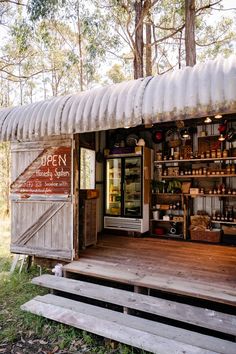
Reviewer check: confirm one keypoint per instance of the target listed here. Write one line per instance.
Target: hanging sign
(49, 173)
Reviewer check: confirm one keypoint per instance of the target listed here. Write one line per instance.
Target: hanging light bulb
(207, 120)
(221, 137)
(186, 135)
(218, 116)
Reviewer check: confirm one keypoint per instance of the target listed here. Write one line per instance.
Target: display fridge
(126, 187)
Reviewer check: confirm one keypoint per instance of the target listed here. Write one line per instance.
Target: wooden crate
(229, 230)
(206, 236)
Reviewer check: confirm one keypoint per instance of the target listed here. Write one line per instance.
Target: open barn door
(41, 194)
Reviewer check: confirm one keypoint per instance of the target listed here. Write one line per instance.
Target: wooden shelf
(211, 195)
(195, 195)
(196, 160)
(168, 236)
(223, 222)
(199, 176)
(161, 220)
(170, 194)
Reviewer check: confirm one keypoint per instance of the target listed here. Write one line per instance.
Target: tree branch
(13, 2)
(208, 6)
(24, 76)
(169, 35)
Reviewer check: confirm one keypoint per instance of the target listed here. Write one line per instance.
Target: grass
(23, 332)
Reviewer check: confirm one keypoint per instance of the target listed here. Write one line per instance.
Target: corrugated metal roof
(192, 92)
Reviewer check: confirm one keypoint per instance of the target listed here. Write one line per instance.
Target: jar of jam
(225, 153)
(218, 154)
(208, 154)
(176, 155)
(213, 154)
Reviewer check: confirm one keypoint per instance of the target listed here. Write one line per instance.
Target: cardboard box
(173, 171)
(194, 190)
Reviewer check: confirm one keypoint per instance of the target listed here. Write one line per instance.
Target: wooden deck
(125, 289)
(196, 270)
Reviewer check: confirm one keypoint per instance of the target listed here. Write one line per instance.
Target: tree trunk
(79, 41)
(138, 50)
(148, 47)
(190, 45)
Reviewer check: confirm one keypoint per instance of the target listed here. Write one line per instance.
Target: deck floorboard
(199, 270)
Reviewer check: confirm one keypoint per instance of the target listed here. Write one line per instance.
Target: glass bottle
(213, 214)
(226, 214)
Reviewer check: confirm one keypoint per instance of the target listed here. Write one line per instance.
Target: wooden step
(205, 318)
(130, 275)
(137, 332)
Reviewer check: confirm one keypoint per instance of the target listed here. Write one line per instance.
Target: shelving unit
(195, 160)
(199, 176)
(216, 170)
(171, 228)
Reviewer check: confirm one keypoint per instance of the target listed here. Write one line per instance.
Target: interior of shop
(174, 180)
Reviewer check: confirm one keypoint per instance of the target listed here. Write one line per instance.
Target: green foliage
(174, 186)
(22, 32)
(116, 74)
(43, 8)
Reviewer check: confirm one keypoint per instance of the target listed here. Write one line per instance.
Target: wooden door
(41, 195)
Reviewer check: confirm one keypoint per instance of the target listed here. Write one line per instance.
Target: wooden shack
(156, 281)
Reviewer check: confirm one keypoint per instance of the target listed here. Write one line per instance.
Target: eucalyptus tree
(93, 38)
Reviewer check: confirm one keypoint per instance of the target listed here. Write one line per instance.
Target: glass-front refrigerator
(127, 192)
(132, 187)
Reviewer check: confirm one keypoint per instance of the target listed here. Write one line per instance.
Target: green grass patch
(35, 334)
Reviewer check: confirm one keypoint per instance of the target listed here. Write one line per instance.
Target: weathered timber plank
(59, 254)
(48, 142)
(202, 264)
(151, 243)
(150, 249)
(42, 220)
(185, 337)
(174, 284)
(76, 176)
(85, 319)
(185, 313)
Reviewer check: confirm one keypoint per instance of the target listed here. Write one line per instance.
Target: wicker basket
(206, 236)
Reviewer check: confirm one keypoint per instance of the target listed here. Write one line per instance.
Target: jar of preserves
(225, 153)
(228, 170)
(176, 155)
(208, 154)
(213, 154)
(218, 154)
(159, 156)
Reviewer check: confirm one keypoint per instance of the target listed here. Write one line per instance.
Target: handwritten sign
(49, 173)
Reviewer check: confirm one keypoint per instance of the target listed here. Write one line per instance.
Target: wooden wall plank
(76, 196)
(39, 223)
(33, 226)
